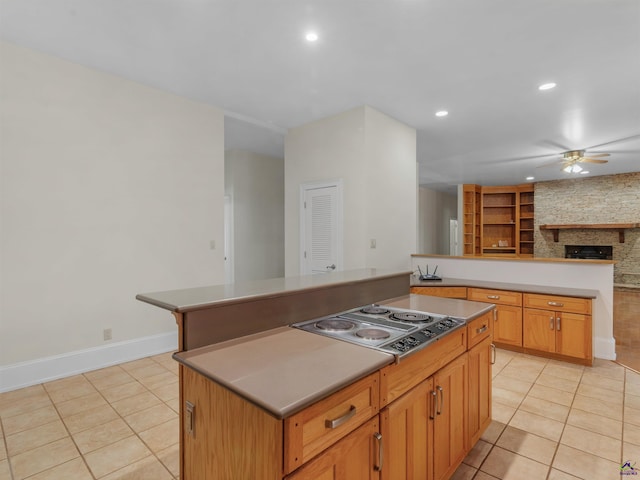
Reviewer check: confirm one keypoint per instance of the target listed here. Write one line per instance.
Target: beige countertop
(285, 369)
(516, 259)
(520, 287)
(188, 299)
(463, 309)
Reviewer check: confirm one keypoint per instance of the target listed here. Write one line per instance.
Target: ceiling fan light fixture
(584, 172)
(573, 168)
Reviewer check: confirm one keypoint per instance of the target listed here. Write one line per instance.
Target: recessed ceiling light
(531, 178)
(311, 36)
(584, 172)
(547, 86)
(442, 113)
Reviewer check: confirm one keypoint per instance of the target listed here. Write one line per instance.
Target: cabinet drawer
(448, 292)
(500, 297)
(315, 428)
(558, 303)
(479, 329)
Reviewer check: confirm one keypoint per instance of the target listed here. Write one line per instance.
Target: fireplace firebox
(592, 252)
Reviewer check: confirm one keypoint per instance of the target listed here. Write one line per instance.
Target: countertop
(517, 287)
(516, 259)
(188, 299)
(285, 369)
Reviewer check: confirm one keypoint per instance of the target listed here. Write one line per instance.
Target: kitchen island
(285, 403)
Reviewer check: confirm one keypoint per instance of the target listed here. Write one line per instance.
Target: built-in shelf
(620, 227)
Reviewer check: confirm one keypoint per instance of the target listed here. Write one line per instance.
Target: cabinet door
(407, 434)
(539, 330)
(355, 457)
(479, 416)
(450, 424)
(507, 327)
(573, 335)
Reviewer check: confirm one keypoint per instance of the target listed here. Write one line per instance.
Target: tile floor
(552, 420)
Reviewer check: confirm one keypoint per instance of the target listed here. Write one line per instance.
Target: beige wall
(603, 199)
(435, 209)
(255, 184)
(109, 189)
(375, 156)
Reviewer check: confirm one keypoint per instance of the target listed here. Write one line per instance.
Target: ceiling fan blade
(617, 152)
(596, 155)
(592, 160)
(521, 159)
(620, 140)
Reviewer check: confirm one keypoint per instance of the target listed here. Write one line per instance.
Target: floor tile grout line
(135, 433)
(70, 435)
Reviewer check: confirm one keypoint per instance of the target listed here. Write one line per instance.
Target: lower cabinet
(449, 425)
(558, 325)
(358, 456)
(480, 376)
(507, 327)
(407, 429)
(425, 430)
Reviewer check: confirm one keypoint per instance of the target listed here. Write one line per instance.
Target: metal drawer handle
(551, 325)
(441, 399)
(190, 420)
(435, 405)
(493, 354)
(340, 420)
(555, 304)
(482, 330)
(494, 297)
(378, 467)
(558, 323)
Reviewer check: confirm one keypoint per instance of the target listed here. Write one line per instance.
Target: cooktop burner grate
(411, 317)
(373, 334)
(335, 325)
(374, 310)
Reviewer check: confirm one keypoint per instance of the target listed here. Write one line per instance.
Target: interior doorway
(321, 227)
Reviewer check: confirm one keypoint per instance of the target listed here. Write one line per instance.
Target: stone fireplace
(588, 201)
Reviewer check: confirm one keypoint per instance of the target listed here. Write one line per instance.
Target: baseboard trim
(33, 372)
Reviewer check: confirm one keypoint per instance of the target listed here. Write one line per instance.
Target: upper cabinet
(498, 220)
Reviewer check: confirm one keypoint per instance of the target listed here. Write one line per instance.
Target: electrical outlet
(107, 334)
(372, 244)
(212, 244)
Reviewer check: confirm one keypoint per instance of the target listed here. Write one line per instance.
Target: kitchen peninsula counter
(521, 287)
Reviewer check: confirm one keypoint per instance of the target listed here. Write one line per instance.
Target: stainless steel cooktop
(389, 329)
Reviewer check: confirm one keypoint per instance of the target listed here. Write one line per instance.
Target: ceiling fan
(572, 158)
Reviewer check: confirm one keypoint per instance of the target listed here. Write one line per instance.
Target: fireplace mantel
(620, 227)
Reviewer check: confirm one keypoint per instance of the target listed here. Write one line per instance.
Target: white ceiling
(480, 60)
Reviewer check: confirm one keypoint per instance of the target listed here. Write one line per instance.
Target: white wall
(590, 276)
(109, 188)
(375, 156)
(255, 184)
(435, 209)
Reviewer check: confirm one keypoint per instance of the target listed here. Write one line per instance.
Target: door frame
(304, 187)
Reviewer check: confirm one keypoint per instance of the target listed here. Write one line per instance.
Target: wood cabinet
(358, 456)
(450, 424)
(501, 222)
(447, 292)
(498, 218)
(407, 430)
(507, 324)
(427, 427)
(558, 325)
(525, 220)
(480, 379)
(472, 200)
